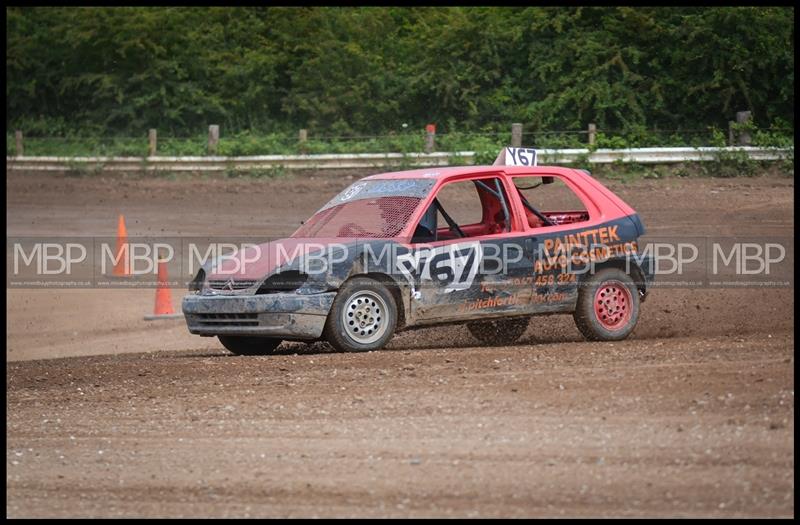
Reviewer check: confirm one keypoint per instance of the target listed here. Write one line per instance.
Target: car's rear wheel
(498, 331)
(608, 306)
(249, 345)
(363, 316)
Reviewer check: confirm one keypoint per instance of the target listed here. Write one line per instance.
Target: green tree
(367, 70)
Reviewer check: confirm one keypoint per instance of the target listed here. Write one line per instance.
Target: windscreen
(376, 208)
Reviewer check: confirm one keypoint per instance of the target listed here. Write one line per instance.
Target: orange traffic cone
(163, 309)
(122, 263)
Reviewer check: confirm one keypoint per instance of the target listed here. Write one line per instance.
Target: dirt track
(691, 416)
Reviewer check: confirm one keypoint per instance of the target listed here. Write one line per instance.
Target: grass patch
(724, 167)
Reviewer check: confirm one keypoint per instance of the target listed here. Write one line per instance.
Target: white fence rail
(379, 160)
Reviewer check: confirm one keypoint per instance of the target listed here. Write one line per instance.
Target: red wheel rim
(612, 305)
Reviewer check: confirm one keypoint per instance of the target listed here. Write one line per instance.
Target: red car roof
(451, 172)
(580, 177)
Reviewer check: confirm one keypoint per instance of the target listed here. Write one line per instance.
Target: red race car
(489, 246)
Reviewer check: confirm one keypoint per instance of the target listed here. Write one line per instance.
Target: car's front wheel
(363, 316)
(249, 345)
(498, 331)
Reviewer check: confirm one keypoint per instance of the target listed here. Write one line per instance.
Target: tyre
(608, 306)
(249, 345)
(363, 316)
(498, 331)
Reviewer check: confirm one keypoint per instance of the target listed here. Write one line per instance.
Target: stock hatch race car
(488, 246)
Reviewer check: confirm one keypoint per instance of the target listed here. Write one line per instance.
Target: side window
(468, 208)
(460, 201)
(549, 200)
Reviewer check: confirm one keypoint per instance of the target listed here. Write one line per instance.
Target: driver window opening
(464, 209)
(548, 201)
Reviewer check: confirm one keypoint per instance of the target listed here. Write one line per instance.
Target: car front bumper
(284, 315)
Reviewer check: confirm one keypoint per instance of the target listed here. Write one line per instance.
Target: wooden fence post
(592, 133)
(302, 138)
(152, 143)
(213, 139)
(430, 138)
(516, 135)
(18, 139)
(744, 117)
(731, 133)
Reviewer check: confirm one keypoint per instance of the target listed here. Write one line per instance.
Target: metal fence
(380, 160)
(305, 142)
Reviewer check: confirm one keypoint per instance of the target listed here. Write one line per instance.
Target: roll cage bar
(497, 192)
